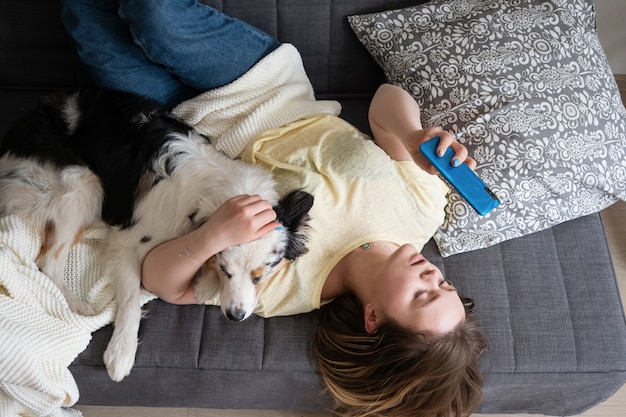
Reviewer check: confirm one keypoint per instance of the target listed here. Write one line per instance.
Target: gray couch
(548, 302)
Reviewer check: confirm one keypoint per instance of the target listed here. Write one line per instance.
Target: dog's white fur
(182, 188)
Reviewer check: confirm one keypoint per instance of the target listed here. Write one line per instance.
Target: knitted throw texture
(274, 92)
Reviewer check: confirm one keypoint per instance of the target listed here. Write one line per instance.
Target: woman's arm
(168, 269)
(394, 118)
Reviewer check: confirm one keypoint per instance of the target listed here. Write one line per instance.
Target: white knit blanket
(276, 91)
(39, 335)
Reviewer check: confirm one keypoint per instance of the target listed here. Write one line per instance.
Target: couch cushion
(35, 50)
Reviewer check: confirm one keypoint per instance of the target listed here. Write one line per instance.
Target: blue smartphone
(461, 177)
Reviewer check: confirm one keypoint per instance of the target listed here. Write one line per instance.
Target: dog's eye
(228, 274)
(256, 275)
(275, 262)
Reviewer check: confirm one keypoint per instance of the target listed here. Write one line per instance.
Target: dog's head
(243, 269)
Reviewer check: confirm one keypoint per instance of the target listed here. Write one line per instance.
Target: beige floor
(615, 222)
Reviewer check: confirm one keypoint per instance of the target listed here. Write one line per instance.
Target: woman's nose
(429, 276)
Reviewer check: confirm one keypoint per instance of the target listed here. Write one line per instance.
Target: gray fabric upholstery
(547, 301)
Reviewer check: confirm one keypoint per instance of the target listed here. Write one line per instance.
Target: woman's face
(412, 292)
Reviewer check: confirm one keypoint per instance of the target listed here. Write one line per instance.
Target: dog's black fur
(110, 139)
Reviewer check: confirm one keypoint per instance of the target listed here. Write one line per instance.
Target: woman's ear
(371, 319)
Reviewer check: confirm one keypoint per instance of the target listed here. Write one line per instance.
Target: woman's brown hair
(395, 372)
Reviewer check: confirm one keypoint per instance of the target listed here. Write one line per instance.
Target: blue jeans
(168, 50)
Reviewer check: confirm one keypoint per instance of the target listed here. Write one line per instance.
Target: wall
(611, 23)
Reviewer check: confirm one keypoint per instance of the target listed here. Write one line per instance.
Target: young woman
(395, 337)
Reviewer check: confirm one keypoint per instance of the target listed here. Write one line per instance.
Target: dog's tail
(61, 203)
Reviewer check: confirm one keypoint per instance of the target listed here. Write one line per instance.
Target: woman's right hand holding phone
(415, 139)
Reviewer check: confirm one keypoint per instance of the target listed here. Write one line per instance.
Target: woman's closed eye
(447, 284)
(443, 284)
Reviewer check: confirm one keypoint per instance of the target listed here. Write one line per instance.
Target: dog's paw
(206, 286)
(119, 359)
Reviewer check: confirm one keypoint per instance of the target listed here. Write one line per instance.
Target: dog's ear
(293, 212)
(293, 207)
(206, 284)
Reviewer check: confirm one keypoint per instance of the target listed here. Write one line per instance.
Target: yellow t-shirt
(361, 195)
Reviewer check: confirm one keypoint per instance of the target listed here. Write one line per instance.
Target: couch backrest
(36, 53)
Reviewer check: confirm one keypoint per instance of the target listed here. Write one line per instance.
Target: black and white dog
(102, 155)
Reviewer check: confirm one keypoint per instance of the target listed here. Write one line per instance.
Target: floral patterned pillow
(525, 85)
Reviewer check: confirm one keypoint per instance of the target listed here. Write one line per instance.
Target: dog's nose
(235, 314)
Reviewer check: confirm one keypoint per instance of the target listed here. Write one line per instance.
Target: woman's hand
(415, 139)
(241, 219)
